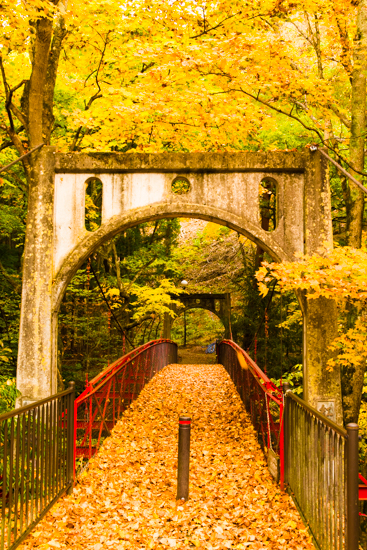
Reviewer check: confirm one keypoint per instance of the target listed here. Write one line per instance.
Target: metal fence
(318, 459)
(321, 470)
(36, 468)
(107, 396)
(262, 399)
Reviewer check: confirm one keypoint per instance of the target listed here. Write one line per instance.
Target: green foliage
(8, 394)
(294, 377)
(93, 204)
(202, 328)
(139, 281)
(272, 324)
(13, 203)
(180, 186)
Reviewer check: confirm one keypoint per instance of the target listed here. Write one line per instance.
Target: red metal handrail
(109, 393)
(262, 399)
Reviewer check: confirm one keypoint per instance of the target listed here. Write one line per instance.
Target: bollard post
(71, 439)
(352, 487)
(183, 458)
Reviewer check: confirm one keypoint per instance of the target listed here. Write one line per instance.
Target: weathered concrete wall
(227, 194)
(137, 187)
(322, 387)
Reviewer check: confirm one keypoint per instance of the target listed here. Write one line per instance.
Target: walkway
(127, 497)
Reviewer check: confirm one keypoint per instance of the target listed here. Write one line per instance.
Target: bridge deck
(127, 497)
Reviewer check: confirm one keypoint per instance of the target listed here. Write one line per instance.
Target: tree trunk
(37, 104)
(357, 139)
(352, 377)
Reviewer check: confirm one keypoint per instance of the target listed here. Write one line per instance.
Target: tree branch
(95, 96)
(38, 79)
(139, 321)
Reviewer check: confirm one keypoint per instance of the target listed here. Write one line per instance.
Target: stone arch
(202, 300)
(117, 224)
(224, 188)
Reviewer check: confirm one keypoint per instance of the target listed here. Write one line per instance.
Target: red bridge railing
(107, 395)
(316, 458)
(262, 399)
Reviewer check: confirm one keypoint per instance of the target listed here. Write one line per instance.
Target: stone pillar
(322, 389)
(167, 324)
(36, 372)
(227, 317)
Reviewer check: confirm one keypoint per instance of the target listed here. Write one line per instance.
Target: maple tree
(181, 76)
(338, 274)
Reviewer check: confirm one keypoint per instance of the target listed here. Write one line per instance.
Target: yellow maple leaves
(127, 498)
(182, 76)
(340, 275)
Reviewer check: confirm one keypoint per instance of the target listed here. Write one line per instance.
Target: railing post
(71, 437)
(183, 458)
(352, 488)
(284, 437)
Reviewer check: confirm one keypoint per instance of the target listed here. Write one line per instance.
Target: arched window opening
(93, 204)
(268, 204)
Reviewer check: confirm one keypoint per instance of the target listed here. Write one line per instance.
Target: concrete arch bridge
(303, 446)
(220, 187)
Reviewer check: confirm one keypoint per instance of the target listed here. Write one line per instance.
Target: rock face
(222, 188)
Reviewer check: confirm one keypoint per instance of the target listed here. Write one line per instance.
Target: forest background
(153, 76)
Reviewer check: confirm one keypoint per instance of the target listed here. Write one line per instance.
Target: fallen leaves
(127, 497)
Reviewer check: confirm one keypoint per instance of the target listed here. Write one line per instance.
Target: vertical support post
(352, 487)
(284, 437)
(175, 358)
(37, 364)
(71, 427)
(321, 387)
(183, 458)
(184, 329)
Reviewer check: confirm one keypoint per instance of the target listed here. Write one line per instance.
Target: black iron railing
(321, 470)
(36, 463)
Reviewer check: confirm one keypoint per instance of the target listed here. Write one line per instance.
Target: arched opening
(93, 204)
(141, 257)
(268, 204)
(118, 224)
(196, 330)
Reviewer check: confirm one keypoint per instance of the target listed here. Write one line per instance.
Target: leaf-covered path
(126, 499)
